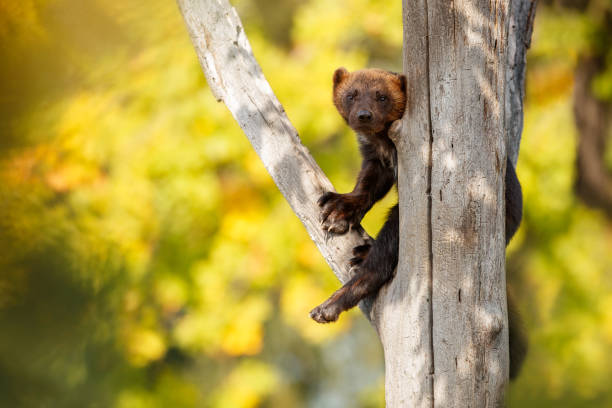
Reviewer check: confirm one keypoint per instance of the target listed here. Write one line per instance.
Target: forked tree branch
(236, 79)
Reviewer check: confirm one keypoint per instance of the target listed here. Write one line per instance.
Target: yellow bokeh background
(148, 260)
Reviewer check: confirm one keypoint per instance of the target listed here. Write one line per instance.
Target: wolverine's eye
(381, 98)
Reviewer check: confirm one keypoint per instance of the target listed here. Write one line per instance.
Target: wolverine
(370, 101)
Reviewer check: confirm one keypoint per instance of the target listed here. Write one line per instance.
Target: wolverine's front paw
(339, 212)
(326, 312)
(395, 130)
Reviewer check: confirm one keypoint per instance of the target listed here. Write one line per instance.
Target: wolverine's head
(369, 100)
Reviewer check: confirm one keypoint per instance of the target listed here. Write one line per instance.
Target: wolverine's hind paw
(325, 313)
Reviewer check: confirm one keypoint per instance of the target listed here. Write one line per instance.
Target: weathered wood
(403, 308)
(468, 41)
(520, 27)
(449, 348)
(235, 78)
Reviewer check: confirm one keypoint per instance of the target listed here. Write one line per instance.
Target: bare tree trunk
(465, 63)
(442, 320)
(593, 179)
(451, 276)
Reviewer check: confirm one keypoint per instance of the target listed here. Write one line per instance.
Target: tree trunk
(593, 182)
(442, 320)
(451, 157)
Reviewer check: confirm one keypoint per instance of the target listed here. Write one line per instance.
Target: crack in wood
(432, 368)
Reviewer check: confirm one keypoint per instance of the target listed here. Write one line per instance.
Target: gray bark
(461, 143)
(403, 308)
(465, 62)
(442, 320)
(522, 14)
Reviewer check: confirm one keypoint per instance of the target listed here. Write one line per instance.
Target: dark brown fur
(370, 101)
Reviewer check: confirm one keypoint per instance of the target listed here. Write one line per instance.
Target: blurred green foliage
(147, 259)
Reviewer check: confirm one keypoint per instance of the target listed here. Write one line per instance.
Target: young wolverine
(370, 100)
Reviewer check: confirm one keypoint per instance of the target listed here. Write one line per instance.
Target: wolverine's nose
(364, 116)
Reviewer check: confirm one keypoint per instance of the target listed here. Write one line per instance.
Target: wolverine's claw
(327, 235)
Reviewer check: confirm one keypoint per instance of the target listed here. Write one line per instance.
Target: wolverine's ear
(402, 79)
(339, 76)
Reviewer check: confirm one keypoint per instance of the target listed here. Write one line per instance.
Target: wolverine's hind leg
(376, 269)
